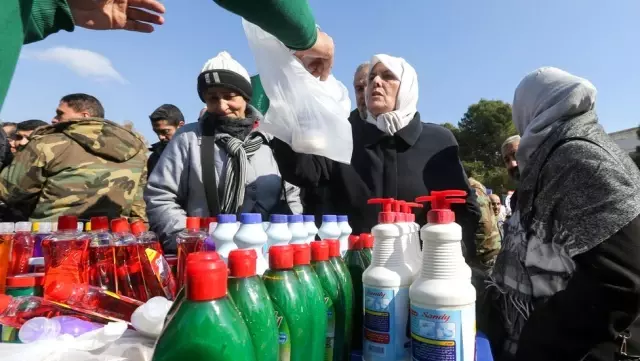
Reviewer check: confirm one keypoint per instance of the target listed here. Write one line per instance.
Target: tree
(128, 125)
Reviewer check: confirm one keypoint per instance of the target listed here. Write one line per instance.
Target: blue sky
(462, 51)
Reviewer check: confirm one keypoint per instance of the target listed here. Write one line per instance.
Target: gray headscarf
(542, 99)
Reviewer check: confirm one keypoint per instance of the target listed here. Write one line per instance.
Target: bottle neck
(443, 260)
(389, 252)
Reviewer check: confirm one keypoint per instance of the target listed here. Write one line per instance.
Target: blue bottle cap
(329, 218)
(343, 219)
(250, 218)
(227, 218)
(309, 218)
(295, 218)
(278, 218)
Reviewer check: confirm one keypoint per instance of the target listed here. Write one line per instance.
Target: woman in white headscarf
(566, 284)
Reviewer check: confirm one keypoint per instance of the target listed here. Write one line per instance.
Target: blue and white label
(386, 328)
(443, 334)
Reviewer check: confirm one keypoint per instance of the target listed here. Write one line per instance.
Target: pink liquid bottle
(156, 271)
(102, 256)
(128, 268)
(22, 249)
(192, 239)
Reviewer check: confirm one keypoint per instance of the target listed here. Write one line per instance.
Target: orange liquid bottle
(156, 271)
(131, 281)
(102, 271)
(190, 240)
(21, 249)
(6, 238)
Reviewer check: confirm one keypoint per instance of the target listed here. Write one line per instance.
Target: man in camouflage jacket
(84, 167)
(488, 240)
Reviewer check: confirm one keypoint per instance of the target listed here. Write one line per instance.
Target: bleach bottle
(401, 221)
(251, 235)
(329, 228)
(345, 232)
(223, 235)
(278, 233)
(414, 240)
(386, 292)
(299, 233)
(310, 225)
(443, 320)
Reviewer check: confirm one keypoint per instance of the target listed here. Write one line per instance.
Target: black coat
(418, 159)
(156, 151)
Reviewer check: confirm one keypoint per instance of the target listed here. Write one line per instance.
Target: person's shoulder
(436, 131)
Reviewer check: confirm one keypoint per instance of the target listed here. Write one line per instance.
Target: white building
(626, 139)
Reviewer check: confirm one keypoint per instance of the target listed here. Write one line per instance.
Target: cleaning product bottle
(6, 238)
(299, 233)
(329, 228)
(310, 225)
(346, 289)
(251, 235)
(345, 232)
(333, 299)
(443, 299)
(386, 292)
(355, 261)
(22, 249)
(278, 233)
(414, 239)
(207, 225)
(405, 237)
(207, 325)
(156, 271)
(190, 240)
(367, 246)
(145, 237)
(252, 300)
(312, 288)
(289, 302)
(102, 271)
(223, 235)
(131, 282)
(41, 230)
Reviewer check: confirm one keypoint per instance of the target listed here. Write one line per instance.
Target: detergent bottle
(290, 304)
(310, 225)
(315, 300)
(207, 325)
(386, 292)
(190, 240)
(102, 256)
(223, 235)
(41, 231)
(130, 279)
(346, 289)
(356, 263)
(278, 233)
(299, 233)
(21, 249)
(251, 235)
(252, 300)
(345, 232)
(414, 238)
(443, 321)
(405, 238)
(367, 246)
(334, 302)
(329, 228)
(6, 238)
(208, 225)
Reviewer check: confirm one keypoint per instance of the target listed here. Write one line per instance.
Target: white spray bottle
(345, 232)
(223, 235)
(405, 238)
(329, 228)
(251, 235)
(414, 238)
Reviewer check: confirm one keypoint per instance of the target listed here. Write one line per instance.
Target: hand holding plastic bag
(306, 113)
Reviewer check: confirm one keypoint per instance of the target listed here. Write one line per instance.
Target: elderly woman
(220, 164)
(567, 281)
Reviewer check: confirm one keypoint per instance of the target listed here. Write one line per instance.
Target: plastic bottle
(252, 300)
(386, 292)
(412, 259)
(80, 227)
(345, 232)
(414, 235)
(329, 228)
(87, 227)
(443, 298)
(145, 237)
(346, 288)
(190, 240)
(314, 292)
(310, 225)
(334, 301)
(207, 325)
(289, 302)
(149, 318)
(278, 233)
(367, 246)
(299, 233)
(251, 235)
(355, 261)
(207, 225)
(21, 249)
(223, 235)
(42, 328)
(41, 230)
(6, 238)
(157, 274)
(102, 256)
(130, 278)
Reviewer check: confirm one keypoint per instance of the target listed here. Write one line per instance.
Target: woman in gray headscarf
(566, 284)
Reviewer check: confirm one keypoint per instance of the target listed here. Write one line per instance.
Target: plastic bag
(306, 113)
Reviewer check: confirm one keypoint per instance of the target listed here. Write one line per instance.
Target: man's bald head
(495, 203)
(360, 85)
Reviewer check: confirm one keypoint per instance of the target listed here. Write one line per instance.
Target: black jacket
(156, 151)
(418, 159)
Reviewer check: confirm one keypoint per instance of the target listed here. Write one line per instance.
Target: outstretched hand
(319, 58)
(132, 15)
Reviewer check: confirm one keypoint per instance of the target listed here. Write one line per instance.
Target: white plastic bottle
(386, 292)
(329, 228)
(251, 235)
(443, 298)
(223, 235)
(345, 232)
(278, 233)
(405, 237)
(310, 225)
(299, 233)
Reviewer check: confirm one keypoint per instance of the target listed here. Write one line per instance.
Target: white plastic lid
(6, 227)
(80, 226)
(39, 328)
(23, 227)
(45, 227)
(54, 226)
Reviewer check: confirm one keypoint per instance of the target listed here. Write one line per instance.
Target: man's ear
(86, 115)
(180, 124)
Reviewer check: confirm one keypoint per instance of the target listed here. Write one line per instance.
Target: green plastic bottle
(367, 246)
(289, 303)
(346, 286)
(252, 300)
(207, 325)
(355, 261)
(312, 288)
(333, 300)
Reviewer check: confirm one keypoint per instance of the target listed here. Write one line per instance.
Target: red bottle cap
(400, 215)
(319, 251)
(99, 224)
(138, 228)
(206, 280)
(367, 240)
(202, 256)
(301, 254)
(281, 257)
(120, 225)
(387, 215)
(206, 221)
(68, 223)
(25, 280)
(441, 202)
(334, 247)
(193, 223)
(242, 263)
(5, 300)
(407, 207)
(355, 243)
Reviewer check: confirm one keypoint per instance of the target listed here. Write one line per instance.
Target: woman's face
(382, 90)
(225, 102)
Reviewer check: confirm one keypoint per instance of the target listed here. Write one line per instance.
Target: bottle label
(443, 335)
(386, 328)
(331, 328)
(284, 336)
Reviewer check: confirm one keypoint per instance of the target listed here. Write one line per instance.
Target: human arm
(46, 17)
(302, 170)
(293, 198)
(22, 181)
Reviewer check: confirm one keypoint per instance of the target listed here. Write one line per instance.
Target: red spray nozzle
(407, 207)
(441, 202)
(398, 207)
(387, 215)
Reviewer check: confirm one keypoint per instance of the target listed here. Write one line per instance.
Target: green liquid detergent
(252, 300)
(207, 325)
(355, 261)
(289, 303)
(367, 247)
(312, 288)
(346, 286)
(334, 301)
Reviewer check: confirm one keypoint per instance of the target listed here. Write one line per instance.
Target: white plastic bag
(306, 113)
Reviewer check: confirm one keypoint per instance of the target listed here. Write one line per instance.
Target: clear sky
(462, 51)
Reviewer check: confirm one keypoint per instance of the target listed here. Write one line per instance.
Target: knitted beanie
(224, 72)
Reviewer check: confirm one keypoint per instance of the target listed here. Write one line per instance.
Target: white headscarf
(543, 98)
(407, 100)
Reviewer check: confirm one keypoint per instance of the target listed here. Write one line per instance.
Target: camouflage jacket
(488, 240)
(86, 167)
